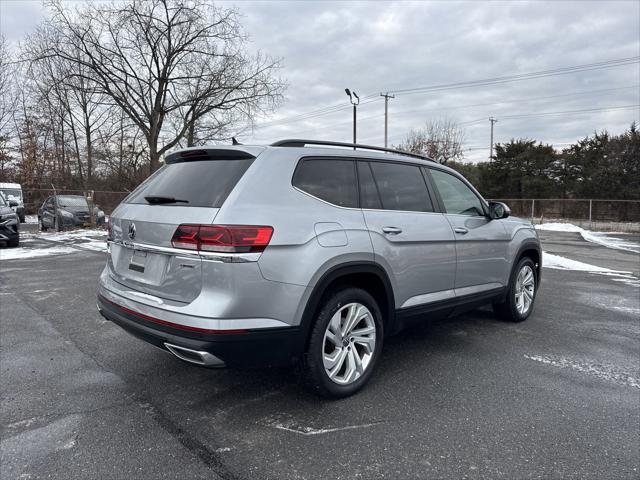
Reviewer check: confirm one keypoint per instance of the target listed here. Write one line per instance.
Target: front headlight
(8, 219)
(65, 213)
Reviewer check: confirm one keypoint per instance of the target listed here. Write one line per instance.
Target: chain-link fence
(621, 215)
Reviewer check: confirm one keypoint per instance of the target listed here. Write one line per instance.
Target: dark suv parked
(63, 211)
(9, 223)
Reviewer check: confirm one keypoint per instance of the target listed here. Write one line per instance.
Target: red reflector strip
(171, 324)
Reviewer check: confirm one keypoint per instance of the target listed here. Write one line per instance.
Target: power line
(527, 115)
(370, 98)
(297, 133)
(519, 100)
(522, 76)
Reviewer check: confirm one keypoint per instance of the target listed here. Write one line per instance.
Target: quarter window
(369, 197)
(457, 197)
(401, 187)
(333, 181)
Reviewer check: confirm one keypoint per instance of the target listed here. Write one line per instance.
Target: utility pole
(355, 103)
(492, 120)
(386, 115)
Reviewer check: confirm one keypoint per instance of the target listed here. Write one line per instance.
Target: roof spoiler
(192, 155)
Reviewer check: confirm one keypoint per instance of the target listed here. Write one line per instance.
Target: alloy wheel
(525, 289)
(349, 343)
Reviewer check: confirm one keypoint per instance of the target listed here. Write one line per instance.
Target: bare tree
(7, 104)
(172, 66)
(441, 140)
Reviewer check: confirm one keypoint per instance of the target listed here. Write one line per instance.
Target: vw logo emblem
(132, 231)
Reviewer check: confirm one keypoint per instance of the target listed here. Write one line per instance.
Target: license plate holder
(138, 261)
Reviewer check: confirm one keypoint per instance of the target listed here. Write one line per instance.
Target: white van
(13, 191)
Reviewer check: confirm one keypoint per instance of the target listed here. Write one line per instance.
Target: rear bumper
(241, 348)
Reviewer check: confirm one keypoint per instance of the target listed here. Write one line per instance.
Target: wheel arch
(532, 250)
(369, 276)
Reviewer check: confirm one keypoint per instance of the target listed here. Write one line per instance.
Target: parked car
(9, 223)
(63, 211)
(13, 191)
(297, 252)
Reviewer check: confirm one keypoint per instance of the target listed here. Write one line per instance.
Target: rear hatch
(190, 189)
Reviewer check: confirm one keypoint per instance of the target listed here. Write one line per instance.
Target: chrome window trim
(363, 209)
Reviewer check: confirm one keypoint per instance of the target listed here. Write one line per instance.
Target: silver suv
(299, 253)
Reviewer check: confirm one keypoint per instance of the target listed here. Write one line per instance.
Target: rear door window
(203, 183)
(332, 180)
(401, 187)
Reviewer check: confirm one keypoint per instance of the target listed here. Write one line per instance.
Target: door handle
(392, 230)
(461, 230)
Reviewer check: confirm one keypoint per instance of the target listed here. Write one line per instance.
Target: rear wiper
(157, 200)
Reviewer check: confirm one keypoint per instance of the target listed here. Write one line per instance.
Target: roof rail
(296, 142)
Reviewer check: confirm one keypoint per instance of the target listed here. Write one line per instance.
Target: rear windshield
(72, 201)
(12, 193)
(205, 183)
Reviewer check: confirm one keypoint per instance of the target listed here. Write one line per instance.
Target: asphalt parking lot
(557, 396)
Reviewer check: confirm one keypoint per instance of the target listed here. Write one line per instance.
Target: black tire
(13, 243)
(22, 218)
(508, 310)
(313, 369)
(42, 227)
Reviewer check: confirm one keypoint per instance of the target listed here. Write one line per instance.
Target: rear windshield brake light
(222, 238)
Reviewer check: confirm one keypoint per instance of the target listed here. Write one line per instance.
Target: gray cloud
(378, 46)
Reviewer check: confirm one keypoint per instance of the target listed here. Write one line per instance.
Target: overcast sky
(374, 47)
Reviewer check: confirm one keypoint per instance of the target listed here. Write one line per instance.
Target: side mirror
(498, 210)
(13, 203)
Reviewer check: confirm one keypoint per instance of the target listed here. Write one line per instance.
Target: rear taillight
(222, 238)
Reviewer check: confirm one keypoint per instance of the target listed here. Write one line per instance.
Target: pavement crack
(206, 455)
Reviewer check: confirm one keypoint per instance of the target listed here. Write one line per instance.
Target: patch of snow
(631, 310)
(26, 252)
(559, 227)
(31, 219)
(609, 240)
(549, 260)
(73, 235)
(606, 372)
(557, 262)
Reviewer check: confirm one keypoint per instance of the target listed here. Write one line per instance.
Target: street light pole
(355, 103)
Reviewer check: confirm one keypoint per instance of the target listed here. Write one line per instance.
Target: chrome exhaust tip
(194, 356)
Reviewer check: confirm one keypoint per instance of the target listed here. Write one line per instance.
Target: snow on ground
(550, 260)
(30, 252)
(43, 244)
(31, 219)
(608, 239)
